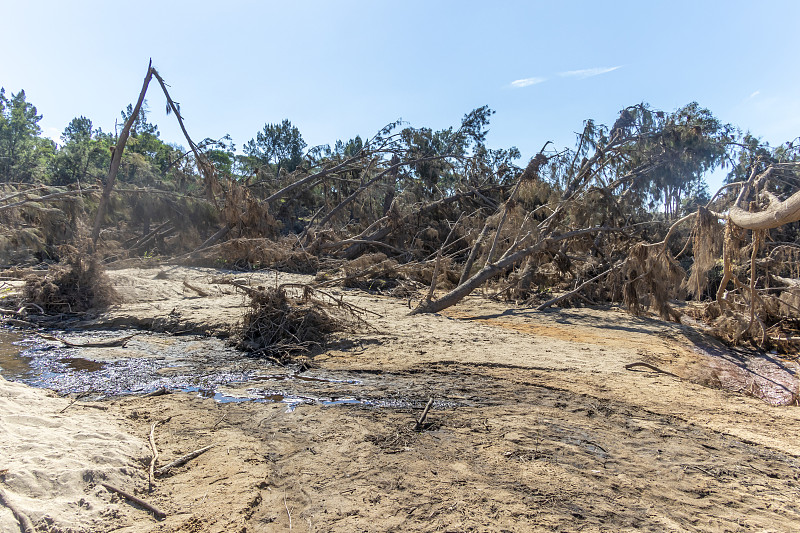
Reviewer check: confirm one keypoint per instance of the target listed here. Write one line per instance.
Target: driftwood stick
(151, 475)
(158, 513)
(113, 343)
(649, 367)
(421, 421)
(180, 461)
(25, 523)
(287, 509)
(196, 289)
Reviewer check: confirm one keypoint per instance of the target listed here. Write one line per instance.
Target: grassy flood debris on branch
(77, 284)
(287, 322)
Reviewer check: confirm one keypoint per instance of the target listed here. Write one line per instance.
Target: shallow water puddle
(14, 365)
(206, 366)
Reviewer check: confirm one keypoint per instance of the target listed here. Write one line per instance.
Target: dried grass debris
(77, 284)
(292, 320)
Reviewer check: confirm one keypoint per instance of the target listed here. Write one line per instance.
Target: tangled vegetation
(292, 320)
(623, 217)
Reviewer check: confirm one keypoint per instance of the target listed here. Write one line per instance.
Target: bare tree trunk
(777, 214)
(205, 167)
(116, 158)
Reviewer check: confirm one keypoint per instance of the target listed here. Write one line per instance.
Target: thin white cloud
(756, 93)
(588, 72)
(525, 82)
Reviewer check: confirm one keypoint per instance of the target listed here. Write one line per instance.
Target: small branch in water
(113, 343)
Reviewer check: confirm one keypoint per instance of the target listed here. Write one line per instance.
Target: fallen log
(113, 343)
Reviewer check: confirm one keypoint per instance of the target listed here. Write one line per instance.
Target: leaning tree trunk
(493, 269)
(116, 158)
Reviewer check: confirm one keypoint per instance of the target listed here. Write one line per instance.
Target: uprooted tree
(624, 216)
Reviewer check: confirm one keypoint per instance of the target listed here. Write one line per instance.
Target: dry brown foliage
(254, 253)
(292, 320)
(76, 285)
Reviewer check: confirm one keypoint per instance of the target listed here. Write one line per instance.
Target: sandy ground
(537, 425)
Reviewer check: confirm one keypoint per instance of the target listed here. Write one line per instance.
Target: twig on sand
(421, 422)
(151, 474)
(182, 460)
(150, 477)
(287, 510)
(196, 289)
(220, 421)
(78, 397)
(650, 367)
(25, 523)
(158, 513)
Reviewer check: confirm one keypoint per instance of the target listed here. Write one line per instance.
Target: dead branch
(777, 214)
(491, 270)
(113, 343)
(205, 166)
(473, 253)
(649, 367)
(151, 475)
(48, 197)
(381, 175)
(198, 290)
(158, 513)
(577, 290)
(180, 461)
(420, 423)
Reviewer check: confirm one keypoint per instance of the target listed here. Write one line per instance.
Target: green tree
(656, 158)
(277, 146)
(85, 153)
(22, 153)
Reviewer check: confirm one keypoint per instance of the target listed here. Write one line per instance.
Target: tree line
(671, 154)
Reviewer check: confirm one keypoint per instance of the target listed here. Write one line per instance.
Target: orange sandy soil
(538, 426)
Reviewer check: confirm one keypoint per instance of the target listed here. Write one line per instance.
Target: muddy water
(207, 366)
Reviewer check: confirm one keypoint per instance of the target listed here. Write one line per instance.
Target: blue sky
(338, 69)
